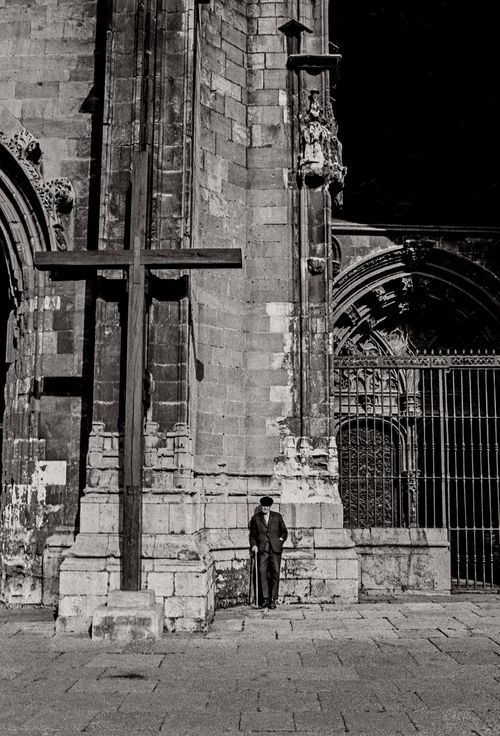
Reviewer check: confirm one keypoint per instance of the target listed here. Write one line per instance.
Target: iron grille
(418, 447)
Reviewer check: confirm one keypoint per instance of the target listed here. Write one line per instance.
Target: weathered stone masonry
(46, 72)
(239, 340)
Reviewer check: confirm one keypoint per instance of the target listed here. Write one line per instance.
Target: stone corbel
(315, 64)
(315, 265)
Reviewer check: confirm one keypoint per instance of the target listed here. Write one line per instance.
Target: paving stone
(251, 682)
(118, 685)
(489, 714)
(137, 722)
(425, 718)
(320, 723)
(453, 730)
(267, 721)
(133, 661)
(285, 701)
(377, 722)
(184, 720)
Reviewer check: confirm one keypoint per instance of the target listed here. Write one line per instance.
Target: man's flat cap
(266, 501)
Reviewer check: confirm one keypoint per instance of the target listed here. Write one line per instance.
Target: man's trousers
(269, 572)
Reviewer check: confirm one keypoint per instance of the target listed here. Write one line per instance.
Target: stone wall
(46, 76)
(195, 532)
(217, 413)
(398, 561)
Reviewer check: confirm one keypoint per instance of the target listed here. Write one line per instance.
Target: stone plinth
(128, 616)
(403, 560)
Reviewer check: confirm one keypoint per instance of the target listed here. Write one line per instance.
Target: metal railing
(418, 440)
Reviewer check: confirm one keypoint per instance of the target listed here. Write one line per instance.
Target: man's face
(265, 510)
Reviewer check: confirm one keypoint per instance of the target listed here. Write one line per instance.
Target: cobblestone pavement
(429, 667)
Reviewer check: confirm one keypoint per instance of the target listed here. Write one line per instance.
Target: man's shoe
(272, 604)
(265, 603)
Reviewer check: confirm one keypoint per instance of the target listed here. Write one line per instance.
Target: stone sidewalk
(428, 666)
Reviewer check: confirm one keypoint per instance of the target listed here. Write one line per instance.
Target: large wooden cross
(136, 260)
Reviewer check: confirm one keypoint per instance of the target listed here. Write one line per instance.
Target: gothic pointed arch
(415, 297)
(415, 394)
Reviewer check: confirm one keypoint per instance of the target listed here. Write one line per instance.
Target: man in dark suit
(267, 535)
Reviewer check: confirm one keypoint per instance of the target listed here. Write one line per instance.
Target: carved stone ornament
(320, 157)
(315, 265)
(381, 296)
(416, 252)
(57, 195)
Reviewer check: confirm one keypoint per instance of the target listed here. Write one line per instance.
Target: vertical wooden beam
(134, 408)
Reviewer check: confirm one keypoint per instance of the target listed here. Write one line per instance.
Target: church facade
(348, 369)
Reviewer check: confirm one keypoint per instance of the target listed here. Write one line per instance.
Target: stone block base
(128, 616)
(178, 567)
(321, 567)
(397, 561)
(325, 574)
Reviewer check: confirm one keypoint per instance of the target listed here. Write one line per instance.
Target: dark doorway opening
(418, 108)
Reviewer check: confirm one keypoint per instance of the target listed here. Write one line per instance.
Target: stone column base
(178, 567)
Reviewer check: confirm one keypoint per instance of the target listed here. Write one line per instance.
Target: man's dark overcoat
(260, 534)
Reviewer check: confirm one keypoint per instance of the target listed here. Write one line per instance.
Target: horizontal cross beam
(171, 258)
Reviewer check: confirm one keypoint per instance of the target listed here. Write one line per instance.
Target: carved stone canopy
(294, 28)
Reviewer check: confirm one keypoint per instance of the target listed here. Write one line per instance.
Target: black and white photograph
(249, 368)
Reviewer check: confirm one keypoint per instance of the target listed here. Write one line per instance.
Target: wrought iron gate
(418, 439)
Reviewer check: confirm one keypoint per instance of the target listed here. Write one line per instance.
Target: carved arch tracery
(33, 209)
(380, 374)
(382, 298)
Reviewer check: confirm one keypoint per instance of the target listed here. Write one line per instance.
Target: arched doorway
(31, 220)
(416, 393)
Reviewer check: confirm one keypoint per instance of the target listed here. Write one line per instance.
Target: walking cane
(253, 582)
(250, 579)
(256, 583)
